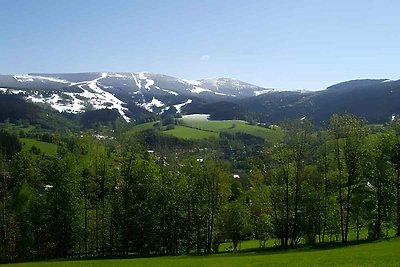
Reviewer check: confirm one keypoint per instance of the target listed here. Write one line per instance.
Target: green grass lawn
(189, 133)
(46, 148)
(380, 253)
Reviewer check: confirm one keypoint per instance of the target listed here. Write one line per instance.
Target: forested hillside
(141, 192)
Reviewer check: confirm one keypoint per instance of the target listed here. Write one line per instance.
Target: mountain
(129, 93)
(375, 100)
(137, 96)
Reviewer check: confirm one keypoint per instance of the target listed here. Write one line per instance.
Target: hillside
(199, 127)
(374, 100)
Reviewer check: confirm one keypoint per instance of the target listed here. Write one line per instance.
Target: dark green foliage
(89, 118)
(16, 108)
(168, 120)
(9, 144)
(236, 222)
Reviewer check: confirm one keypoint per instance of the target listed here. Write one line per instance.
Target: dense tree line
(114, 197)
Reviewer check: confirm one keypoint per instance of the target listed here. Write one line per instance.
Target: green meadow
(190, 133)
(46, 148)
(202, 129)
(380, 253)
(235, 126)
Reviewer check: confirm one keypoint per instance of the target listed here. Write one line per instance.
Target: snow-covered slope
(229, 87)
(152, 92)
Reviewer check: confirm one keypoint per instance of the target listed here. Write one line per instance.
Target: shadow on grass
(306, 247)
(243, 252)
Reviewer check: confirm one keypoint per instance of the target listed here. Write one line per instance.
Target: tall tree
(348, 132)
(395, 126)
(298, 140)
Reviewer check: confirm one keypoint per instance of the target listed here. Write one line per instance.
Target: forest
(140, 194)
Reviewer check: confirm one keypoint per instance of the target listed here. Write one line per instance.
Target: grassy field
(47, 148)
(143, 126)
(202, 129)
(380, 253)
(235, 126)
(189, 133)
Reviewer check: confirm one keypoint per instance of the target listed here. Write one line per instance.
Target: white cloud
(205, 58)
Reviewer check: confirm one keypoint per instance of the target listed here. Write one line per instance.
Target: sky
(292, 44)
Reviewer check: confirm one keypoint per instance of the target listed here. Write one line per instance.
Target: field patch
(197, 126)
(189, 133)
(235, 126)
(46, 148)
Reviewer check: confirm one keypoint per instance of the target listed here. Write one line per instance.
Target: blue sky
(283, 44)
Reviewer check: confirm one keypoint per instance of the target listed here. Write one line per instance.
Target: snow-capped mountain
(157, 93)
(138, 96)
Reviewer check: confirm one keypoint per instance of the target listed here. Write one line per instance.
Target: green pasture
(46, 148)
(380, 253)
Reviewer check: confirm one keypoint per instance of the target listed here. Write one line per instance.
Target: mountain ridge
(143, 94)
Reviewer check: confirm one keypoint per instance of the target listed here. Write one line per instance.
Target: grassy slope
(235, 126)
(47, 148)
(201, 129)
(143, 126)
(381, 253)
(189, 133)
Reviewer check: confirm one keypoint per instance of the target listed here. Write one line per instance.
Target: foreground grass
(381, 253)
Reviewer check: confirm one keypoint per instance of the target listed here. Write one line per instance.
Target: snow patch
(154, 103)
(148, 84)
(217, 93)
(100, 98)
(139, 77)
(198, 90)
(23, 78)
(31, 78)
(192, 82)
(92, 95)
(199, 117)
(167, 91)
(261, 92)
(138, 82)
(12, 91)
(117, 75)
(179, 106)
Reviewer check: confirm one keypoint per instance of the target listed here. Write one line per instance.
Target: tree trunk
(379, 207)
(86, 219)
(286, 240)
(125, 249)
(325, 194)
(357, 224)
(102, 212)
(398, 198)
(296, 205)
(4, 215)
(340, 189)
(188, 229)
